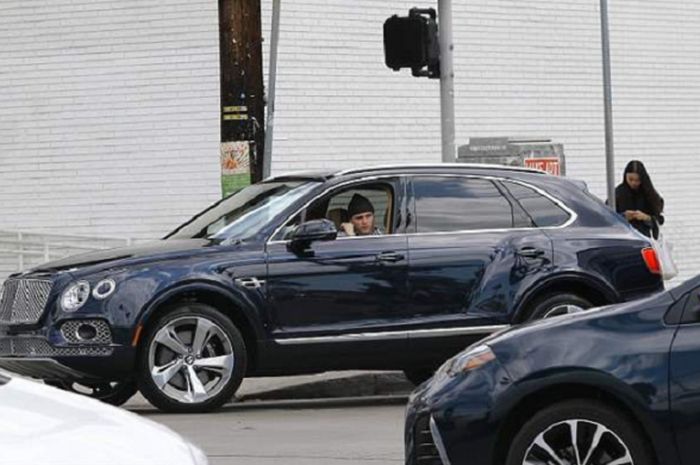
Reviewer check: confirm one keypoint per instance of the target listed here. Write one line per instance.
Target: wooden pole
(242, 92)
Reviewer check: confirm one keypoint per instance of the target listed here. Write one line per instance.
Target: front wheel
(557, 304)
(193, 360)
(579, 431)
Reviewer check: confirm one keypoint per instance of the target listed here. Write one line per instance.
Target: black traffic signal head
(412, 42)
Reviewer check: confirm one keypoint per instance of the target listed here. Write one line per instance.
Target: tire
(418, 376)
(114, 393)
(177, 372)
(620, 437)
(556, 304)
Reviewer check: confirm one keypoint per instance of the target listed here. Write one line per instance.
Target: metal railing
(20, 250)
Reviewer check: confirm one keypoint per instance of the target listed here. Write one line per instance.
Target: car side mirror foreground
(312, 231)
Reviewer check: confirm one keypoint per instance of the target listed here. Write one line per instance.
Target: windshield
(245, 213)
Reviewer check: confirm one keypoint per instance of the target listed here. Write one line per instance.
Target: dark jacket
(628, 199)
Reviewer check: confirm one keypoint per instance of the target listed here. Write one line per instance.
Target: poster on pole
(235, 166)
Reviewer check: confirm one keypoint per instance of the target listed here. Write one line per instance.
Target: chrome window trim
(393, 335)
(573, 216)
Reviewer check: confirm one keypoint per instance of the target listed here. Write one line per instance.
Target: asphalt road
(313, 434)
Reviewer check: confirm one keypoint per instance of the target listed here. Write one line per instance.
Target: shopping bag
(663, 250)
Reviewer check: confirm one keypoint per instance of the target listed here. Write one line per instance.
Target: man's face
(363, 223)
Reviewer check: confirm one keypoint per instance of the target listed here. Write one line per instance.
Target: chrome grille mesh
(39, 347)
(23, 300)
(69, 330)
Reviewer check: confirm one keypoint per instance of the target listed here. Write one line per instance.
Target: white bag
(663, 250)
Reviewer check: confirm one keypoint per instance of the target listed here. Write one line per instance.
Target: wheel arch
(593, 289)
(535, 401)
(232, 306)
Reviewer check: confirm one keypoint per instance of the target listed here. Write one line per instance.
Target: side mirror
(311, 231)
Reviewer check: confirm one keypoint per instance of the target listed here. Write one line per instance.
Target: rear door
(470, 246)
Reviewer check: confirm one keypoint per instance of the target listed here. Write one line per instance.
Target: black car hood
(122, 256)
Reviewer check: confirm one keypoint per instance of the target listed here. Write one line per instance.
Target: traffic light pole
(447, 105)
(607, 95)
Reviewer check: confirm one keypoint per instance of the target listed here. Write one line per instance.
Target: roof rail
(443, 165)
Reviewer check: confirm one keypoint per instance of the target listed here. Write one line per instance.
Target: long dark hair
(654, 200)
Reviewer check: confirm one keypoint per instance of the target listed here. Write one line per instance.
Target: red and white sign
(550, 165)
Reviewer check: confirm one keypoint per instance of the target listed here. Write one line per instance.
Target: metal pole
(447, 104)
(272, 81)
(607, 93)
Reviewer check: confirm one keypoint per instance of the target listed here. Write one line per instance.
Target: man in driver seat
(361, 213)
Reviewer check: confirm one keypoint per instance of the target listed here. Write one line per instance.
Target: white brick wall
(524, 69)
(109, 111)
(109, 115)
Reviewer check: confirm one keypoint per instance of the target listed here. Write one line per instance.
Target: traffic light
(412, 42)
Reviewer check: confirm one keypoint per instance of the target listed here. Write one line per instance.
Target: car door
(468, 250)
(347, 288)
(684, 384)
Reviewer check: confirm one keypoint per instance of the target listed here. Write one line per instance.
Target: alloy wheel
(565, 309)
(577, 442)
(191, 359)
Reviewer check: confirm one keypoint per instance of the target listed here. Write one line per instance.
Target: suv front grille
(425, 451)
(39, 347)
(23, 300)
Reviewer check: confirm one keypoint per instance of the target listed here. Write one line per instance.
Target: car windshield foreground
(43, 425)
(615, 386)
(391, 268)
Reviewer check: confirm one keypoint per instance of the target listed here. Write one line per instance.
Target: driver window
(340, 205)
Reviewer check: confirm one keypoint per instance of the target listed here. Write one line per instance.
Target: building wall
(109, 115)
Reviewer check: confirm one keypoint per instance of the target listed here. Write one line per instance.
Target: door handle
(530, 252)
(389, 257)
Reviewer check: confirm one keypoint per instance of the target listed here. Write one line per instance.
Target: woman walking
(637, 199)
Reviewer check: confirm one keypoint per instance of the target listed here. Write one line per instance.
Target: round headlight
(104, 289)
(75, 296)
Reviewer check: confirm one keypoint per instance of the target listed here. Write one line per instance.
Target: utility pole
(447, 88)
(242, 93)
(607, 100)
(272, 86)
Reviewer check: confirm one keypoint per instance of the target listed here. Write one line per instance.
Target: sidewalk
(340, 387)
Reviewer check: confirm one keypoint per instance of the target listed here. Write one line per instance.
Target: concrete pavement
(371, 435)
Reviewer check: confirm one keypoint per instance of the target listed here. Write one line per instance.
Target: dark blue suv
(379, 268)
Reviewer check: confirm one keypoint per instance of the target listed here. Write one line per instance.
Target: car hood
(150, 251)
(40, 424)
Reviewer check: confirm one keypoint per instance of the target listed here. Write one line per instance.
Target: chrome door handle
(390, 257)
(530, 252)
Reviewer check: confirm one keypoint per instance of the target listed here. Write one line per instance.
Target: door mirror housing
(312, 231)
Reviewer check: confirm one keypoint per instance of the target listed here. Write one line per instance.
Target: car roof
(324, 175)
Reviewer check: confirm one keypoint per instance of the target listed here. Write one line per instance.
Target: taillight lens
(651, 260)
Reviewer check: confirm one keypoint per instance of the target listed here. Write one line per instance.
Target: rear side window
(542, 210)
(445, 204)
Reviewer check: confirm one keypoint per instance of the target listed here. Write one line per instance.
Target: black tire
(225, 390)
(114, 393)
(591, 412)
(418, 376)
(553, 305)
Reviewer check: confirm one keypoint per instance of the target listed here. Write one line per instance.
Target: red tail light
(651, 260)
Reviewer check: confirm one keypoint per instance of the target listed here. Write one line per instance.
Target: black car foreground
(619, 385)
(262, 283)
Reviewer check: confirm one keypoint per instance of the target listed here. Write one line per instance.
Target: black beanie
(359, 204)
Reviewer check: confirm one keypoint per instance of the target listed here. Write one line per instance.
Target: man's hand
(641, 216)
(348, 228)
